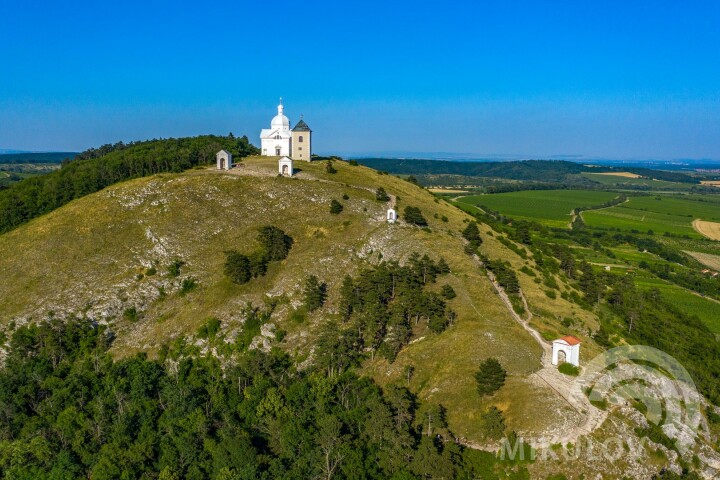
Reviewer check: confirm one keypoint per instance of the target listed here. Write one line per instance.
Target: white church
(280, 141)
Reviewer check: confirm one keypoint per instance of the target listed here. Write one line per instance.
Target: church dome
(280, 120)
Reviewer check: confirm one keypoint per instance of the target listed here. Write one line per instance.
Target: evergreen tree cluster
(275, 245)
(70, 411)
(96, 169)
(385, 301)
(413, 215)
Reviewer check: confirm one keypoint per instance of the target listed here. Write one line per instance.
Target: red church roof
(570, 340)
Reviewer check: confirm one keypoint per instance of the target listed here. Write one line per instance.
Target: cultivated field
(551, 207)
(709, 229)
(707, 259)
(618, 174)
(659, 214)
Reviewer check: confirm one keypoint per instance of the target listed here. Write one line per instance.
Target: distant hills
(10, 157)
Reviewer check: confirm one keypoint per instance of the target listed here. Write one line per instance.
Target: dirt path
(563, 385)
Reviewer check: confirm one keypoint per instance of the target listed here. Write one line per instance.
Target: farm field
(706, 309)
(621, 181)
(659, 214)
(551, 207)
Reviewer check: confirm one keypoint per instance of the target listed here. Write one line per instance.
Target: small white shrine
(569, 347)
(285, 167)
(391, 215)
(224, 160)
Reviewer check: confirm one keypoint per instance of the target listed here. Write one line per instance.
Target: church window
(299, 148)
(300, 139)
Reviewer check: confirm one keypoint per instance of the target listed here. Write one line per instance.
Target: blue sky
(626, 79)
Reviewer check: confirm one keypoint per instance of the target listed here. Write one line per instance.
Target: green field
(551, 207)
(706, 309)
(659, 214)
(625, 182)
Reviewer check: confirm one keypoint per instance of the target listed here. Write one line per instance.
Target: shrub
(131, 314)
(335, 207)
(493, 423)
(150, 271)
(490, 377)
(209, 329)
(188, 285)
(414, 216)
(174, 268)
(346, 196)
(329, 167)
(569, 369)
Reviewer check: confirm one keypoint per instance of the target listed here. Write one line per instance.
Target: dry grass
(85, 258)
(618, 174)
(710, 230)
(707, 259)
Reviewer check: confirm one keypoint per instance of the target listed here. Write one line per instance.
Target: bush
(329, 167)
(490, 377)
(346, 196)
(335, 207)
(174, 268)
(188, 285)
(569, 369)
(209, 329)
(493, 423)
(448, 292)
(131, 314)
(381, 195)
(414, 216)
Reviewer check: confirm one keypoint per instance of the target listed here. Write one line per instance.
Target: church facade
(281, 141)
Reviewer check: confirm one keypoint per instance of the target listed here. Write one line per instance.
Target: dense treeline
(96, 169)
(68, 410)
(384, 303)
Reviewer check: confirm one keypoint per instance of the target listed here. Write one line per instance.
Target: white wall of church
(275, 147)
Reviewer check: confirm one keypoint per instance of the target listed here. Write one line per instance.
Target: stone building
(569, 347)
(224, 160)
(285, 167)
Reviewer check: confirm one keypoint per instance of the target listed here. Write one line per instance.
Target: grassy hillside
(96, 257)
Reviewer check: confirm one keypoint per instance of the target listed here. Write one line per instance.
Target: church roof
(569, 339)
(301, 127)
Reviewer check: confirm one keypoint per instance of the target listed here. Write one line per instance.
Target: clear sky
(610, 79)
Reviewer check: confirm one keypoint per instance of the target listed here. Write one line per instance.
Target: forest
(96, 169)
(69, 410)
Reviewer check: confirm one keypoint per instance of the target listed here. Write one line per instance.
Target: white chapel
(280, 141)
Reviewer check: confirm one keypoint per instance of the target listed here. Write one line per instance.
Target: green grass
(551, 207)
(706, 309)
(660, 214)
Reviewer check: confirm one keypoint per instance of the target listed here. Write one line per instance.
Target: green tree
(237, 267)
(381, 195)
(448, 292)
(493, 423)
(314, 293)
(335, 207)
(275, 243)
(490, 377)
(414, 215)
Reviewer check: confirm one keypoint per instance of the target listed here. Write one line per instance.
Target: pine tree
(490, 377)
(314, 293)
(414, 215)
(381, 195)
